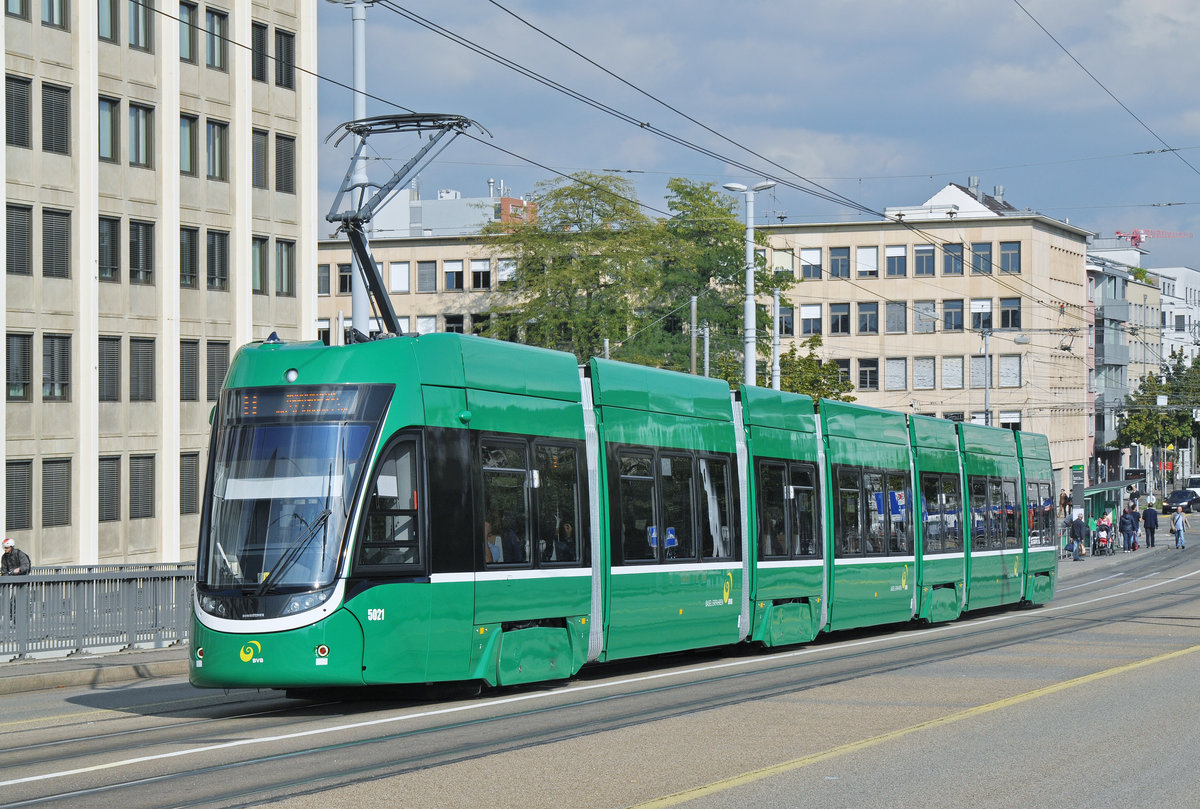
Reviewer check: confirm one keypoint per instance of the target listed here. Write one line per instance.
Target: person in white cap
(15, 562)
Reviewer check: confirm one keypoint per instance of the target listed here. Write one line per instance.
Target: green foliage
(1147, 423)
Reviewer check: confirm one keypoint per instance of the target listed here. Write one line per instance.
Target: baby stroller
(1102, 542)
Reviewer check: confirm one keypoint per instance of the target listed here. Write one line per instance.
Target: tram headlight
(305, 602)
(214, 606)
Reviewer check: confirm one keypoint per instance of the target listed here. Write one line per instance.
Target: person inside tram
(491, 541)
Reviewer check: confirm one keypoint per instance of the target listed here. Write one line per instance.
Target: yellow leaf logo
(250, 651)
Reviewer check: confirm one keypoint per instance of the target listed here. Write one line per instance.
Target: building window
(141, 136)
(218, 260)
(56, 367)
(19, 240)
(110, 488)
(216, 28)
(56, 244)
(897, 260)
(323, 279)
(285, 59)
(952, 259)
(843, 367)
(481, 273)
(868, 318)
(981, 258)
(453, 271)
(868, 374)
(258, 158)
(55, 14)
(189, 152)
(189, 483)
(787, 321)
(109, 369)
(839, 262)
(1009, 367)
(952, 373)
(981, 313)
(896, 373)
(187, 32)
(258, 51)
(810, 263)
(17, 111)
(141, 487)
(217, 356)
(924, 317)
(56, 492)
(345, 279)
(285, 164)
(426, 324)
(259, 245)
(285, 268)
(109, 252)
(981, 371)
(18, 495)
(839, 318)
(218, 150)
(506, 271)
(810, 319)
(19, 370)
(924, 373)
(867, 262)
(189, 370)
(141, 252)
(1010, 257)
(1010, 313)
(952, 315)
(454, 324)
(56, 119)
(1009, 420)
(141, 25)
(896, 314)
(784, 263)
(426, 276)
(17, 8)
(110, 130)
(923, 260)
(189, 258)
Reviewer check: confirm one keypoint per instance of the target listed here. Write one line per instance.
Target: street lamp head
(738, 187)
(763, 186)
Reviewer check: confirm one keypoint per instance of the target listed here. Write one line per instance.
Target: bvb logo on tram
(251, 652)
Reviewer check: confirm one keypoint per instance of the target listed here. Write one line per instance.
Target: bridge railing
(94, 608)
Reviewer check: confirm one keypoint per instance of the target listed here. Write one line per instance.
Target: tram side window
(1049, 536)
(1011, 514)
(639, 535)
(899, 514)
(391, 537)
(952, 518)
(877, 510)
(505, 503)
(715, 532)
(1040, 509)
(979, 513)
(678, 495)
(849, 508)
(558, 504)
(995, 514)
(772, 537)
(805, 512)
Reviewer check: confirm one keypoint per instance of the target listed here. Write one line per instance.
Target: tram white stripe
(574, 689)
(702, 567)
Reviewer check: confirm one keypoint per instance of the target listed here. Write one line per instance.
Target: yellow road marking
(799, 763)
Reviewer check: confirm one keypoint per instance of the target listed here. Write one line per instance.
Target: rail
(75, 609)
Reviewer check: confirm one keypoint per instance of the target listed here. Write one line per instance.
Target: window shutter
(285, 163)
(259, 159)
(56, 119)
(141, 369)
(189, 370)
(18, 495)
(258, 52)
(19, 221)
(217, 365)
(141, 486)
(110, 489)
(16, 105)
(189, 483)
(56, 492)
(56, 244)
(110, 369)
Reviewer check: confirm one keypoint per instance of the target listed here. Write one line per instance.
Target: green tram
(450, 508)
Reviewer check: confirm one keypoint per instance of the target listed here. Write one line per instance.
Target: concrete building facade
(160, 191)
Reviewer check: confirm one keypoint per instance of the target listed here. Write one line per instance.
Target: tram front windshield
(286, 465)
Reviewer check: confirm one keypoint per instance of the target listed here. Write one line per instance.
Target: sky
(880, 101)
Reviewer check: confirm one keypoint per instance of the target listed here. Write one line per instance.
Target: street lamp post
(750, 321)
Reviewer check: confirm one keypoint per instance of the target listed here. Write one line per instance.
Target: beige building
(160, 188)
(963, 308)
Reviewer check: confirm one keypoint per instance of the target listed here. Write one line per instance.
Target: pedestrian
(1137, 521)
(1150, 523)
(1062, 503)
(14, 562)
(1178, 524)
(1078, 532)
(1127, 528)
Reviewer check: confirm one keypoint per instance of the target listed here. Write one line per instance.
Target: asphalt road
(1088, 701)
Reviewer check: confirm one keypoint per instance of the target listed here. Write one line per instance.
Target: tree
(1145, 422)
(808, 374)
(582, 268)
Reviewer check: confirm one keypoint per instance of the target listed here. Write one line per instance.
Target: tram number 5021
(375, 614)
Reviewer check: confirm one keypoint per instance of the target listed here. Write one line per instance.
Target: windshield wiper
(288, 559)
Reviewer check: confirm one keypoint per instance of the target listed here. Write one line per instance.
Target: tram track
(705, 688)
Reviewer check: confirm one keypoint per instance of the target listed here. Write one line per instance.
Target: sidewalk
(19, 676)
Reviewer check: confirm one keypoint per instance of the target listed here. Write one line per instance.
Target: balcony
(1111, 354)
(1113, 309)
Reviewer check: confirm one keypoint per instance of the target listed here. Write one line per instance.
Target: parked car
(1181, 497)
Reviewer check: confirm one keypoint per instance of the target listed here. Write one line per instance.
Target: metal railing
(94, 608)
